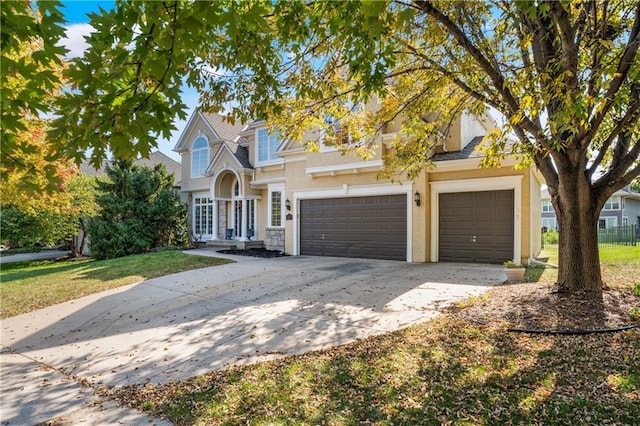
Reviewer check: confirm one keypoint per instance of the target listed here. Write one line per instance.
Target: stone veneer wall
(189, 201)
(274, 239)
(222, 219)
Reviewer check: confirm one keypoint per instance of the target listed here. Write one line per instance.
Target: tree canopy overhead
(31, 71)
(564, 74)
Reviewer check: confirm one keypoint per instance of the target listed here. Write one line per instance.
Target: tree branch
(632, 115)
(624, 65)
(496, 77)
(569, 48)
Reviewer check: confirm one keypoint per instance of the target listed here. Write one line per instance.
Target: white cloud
(74, 41)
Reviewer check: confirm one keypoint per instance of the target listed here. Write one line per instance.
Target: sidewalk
(41, 255)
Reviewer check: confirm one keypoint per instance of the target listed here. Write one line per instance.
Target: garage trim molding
(353, 191)
(477, 185)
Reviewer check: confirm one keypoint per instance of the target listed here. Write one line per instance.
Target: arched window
(199, 156)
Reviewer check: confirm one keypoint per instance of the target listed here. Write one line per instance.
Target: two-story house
(246, 186)
(621, 209)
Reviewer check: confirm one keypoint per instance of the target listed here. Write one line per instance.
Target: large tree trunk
(577, 212)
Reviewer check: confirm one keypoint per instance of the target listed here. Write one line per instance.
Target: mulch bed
(255, 252)
(538, 308)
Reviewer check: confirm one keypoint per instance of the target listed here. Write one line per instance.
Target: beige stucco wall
(351, 182)
(198, 128)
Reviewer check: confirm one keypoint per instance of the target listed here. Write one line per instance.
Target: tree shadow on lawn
(34, 269)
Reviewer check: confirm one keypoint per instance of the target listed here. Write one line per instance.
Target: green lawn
(620, 266)
(27, 286)
(608, 254)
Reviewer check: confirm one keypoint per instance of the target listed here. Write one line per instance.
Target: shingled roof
(468, 151)
(242, 154)
(223, 128)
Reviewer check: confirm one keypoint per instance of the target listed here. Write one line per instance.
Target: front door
(236, 231)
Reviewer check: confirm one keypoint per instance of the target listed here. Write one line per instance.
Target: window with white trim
(612, 203)
(607, 222)
(266, 146)
(547, 206)
(276, 207)
(202, 214)
(199, 156)
(549, 223)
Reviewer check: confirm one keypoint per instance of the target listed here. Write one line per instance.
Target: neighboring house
(621, 209)
(245, 187)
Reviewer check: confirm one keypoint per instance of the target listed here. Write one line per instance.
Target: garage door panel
(370, 227)
(476, 226)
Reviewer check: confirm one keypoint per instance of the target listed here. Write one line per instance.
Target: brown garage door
(367, 227)
(476, 227)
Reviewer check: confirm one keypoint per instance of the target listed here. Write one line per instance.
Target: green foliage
(426, 63)
(54, 222)
(45, 227)
(138, 211)
(550, 237)
(30, 68)
(23, 25)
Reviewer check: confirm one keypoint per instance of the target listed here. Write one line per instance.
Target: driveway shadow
(194, 322)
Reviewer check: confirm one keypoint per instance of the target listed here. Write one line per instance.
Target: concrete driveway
(193, 322)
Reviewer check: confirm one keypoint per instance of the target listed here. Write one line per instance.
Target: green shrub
(139, 211)
(550, 237)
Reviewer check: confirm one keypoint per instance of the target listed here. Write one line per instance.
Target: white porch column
(215, 219)
(244, 220)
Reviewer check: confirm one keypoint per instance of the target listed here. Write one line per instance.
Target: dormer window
(266, 146)
(199, 156)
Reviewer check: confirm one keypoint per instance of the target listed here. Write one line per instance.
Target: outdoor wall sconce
(287, 204)
(416, 198)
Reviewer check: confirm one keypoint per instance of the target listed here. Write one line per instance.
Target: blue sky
(75, 13)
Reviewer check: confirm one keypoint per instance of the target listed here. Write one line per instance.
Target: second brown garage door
(476, 227)
(367, 227)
